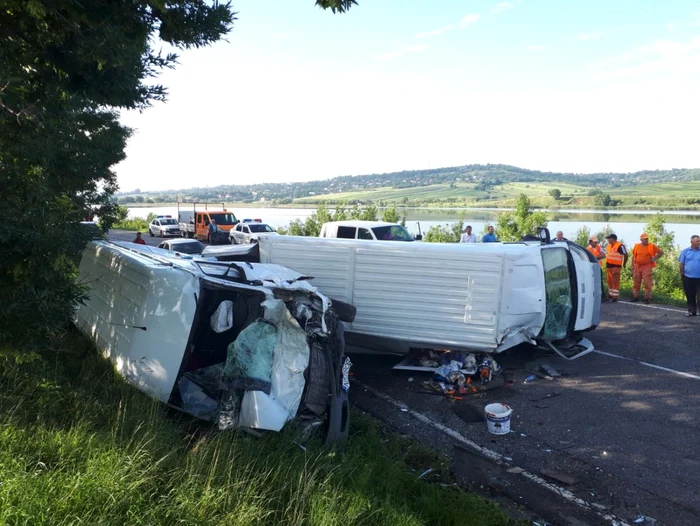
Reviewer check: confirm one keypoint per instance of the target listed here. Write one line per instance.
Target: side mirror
(418, 237)
(543, 234)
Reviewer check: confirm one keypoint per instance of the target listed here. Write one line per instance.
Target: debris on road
(560, 476)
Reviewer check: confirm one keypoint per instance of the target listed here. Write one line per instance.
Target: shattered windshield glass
(557, 284)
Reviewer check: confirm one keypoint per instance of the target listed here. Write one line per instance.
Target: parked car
(183, 246)
(164, 226)
(245, 233)
(368, 230)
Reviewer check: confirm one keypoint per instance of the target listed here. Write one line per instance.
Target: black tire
(150, 232)
(344, 311)
(162, 234)
(233, 240)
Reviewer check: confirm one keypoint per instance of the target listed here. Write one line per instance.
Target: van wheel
(344, 311)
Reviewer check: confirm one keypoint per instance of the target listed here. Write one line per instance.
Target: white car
(245, 233)
(183, 246)
(163, 227)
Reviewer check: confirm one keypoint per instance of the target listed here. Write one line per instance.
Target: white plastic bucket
(498, 418)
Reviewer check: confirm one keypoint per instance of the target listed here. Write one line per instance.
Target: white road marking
(494, 455)
(653, 366)
(644, 305)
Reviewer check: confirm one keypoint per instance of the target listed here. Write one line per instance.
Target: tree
(582, 236)
(555, 193)
(512, 226)
(66, 68)
(391, 215)
(603, 200)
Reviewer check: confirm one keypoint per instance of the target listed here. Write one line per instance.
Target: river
(627, 224)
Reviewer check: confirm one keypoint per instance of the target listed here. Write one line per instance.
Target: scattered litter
(404, 409)
(547, 450)
(560, 476)
(516, 470)
(303, 448)
(410, 378)
(523, 435)
(605, 453)
(640, 519)
(509, 459)
(530, 378)
(426, 472)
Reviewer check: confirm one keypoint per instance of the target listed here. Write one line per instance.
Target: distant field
(684, 189)
(655, 195)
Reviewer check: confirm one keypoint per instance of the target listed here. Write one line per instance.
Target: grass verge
(79, 445)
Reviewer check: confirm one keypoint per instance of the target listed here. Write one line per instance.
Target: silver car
(183, 246)
(163, 227)
(245, 233)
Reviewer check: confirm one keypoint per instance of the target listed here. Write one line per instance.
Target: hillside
(493, 184)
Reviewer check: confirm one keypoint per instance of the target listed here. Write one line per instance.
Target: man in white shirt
(468, 237)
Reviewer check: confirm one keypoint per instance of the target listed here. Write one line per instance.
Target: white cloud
(503, 6)
(657, 57)
(469, 19)
(535, 48)
(589, 36)
(407, 49)
(436, 32)
(672, 26)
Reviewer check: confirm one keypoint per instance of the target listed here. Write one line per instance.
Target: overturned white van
(476, 297)
(244, 345)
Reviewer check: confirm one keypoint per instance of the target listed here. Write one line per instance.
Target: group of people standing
(468, 237)
(644, 257)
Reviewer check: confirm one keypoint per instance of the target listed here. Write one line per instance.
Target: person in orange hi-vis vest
(598, 253)
(644, 257)
(615, 260)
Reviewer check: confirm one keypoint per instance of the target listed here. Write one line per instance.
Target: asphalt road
(623, 421)
(125, 235)
(628, 432)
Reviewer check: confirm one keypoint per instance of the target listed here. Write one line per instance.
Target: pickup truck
(367, 230)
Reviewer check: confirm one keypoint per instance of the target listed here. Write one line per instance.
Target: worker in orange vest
(615, 260)
(598, 253)
(595, 249)
(644, 257)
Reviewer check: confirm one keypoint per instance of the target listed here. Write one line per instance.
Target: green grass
(80, 446)
(137, 224)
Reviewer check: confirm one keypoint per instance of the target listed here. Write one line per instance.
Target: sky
(297, 93)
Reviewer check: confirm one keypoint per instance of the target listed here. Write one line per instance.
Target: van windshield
(392, 233)
(557, 284)
(224, 218)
